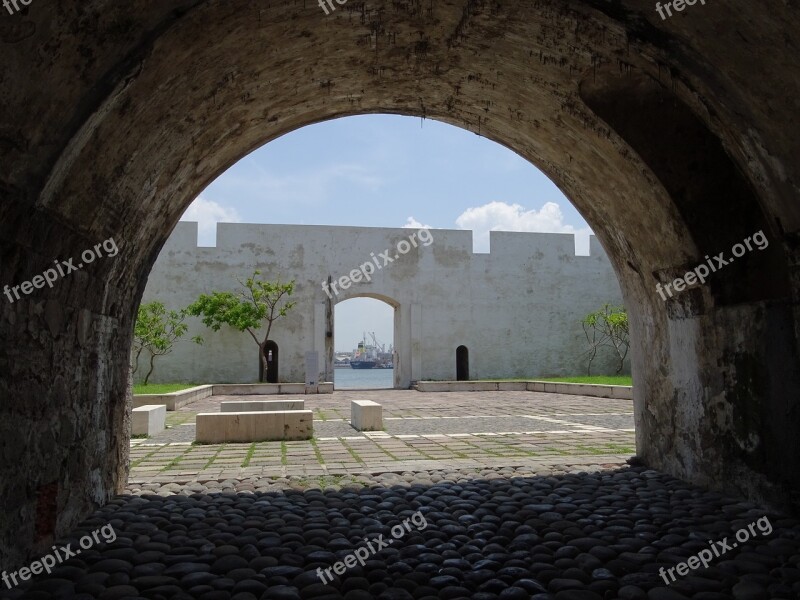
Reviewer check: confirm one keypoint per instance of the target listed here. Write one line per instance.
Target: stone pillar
(402, 346)
(64, 385)
(417, 342)
(323, 344)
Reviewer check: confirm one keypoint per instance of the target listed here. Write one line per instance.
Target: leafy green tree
(258, 302)
(607, 327)
(156, 331)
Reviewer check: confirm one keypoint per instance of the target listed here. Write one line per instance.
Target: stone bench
(261, 405)
(218, 428)
(148, 419)
(366, 415)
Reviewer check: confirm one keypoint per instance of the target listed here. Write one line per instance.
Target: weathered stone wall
(517, 309)
(115, 115)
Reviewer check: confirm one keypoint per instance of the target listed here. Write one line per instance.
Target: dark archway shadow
(273, 368)
(462, 363)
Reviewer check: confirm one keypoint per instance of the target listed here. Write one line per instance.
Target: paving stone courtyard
(422, 431)
(512, 495)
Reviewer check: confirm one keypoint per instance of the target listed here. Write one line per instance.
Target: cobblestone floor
(422, 431)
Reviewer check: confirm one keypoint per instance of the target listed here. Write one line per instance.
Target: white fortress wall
(517, 308)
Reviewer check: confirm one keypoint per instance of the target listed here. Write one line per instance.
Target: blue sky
(386, 171)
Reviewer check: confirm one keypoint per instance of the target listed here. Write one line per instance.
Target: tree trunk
(264, 362)
(136, 360)
(152, 366)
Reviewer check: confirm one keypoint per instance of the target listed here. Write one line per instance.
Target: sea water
(359, 379)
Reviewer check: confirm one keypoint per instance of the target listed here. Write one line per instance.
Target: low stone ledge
(512, 386)
(174, 400)
(617, 392)
(457, 386)
(594, 390)
(270, 389)
(242, 427)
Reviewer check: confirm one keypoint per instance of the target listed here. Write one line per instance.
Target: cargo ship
(364, 357)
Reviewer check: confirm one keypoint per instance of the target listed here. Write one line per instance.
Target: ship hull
(362, 364)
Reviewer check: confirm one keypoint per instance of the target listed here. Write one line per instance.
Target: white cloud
(208, 213)
(501, 216)
(412, 223)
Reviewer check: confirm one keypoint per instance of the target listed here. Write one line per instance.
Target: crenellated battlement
(332, 238)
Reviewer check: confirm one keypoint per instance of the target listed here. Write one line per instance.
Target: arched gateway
(669, 135)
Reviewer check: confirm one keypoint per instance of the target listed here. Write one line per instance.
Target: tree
(257, 302)
(607, 327)
(156, 331)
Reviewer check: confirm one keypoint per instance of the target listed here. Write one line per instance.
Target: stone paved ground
(422, 431)
(507, 496)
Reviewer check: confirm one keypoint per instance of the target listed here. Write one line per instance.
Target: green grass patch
(176, 461)
(352, 452)
(211, 459)
(605, 449)
(162, 388)
(136, 463)
(596, 379)
(320, 460)
(250, 451)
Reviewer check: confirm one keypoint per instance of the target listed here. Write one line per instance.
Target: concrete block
(218, 428)
(366, 415)
(149, 419)
(261, 405)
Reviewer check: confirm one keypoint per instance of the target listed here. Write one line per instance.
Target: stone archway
(404, 337)
(669, 137)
